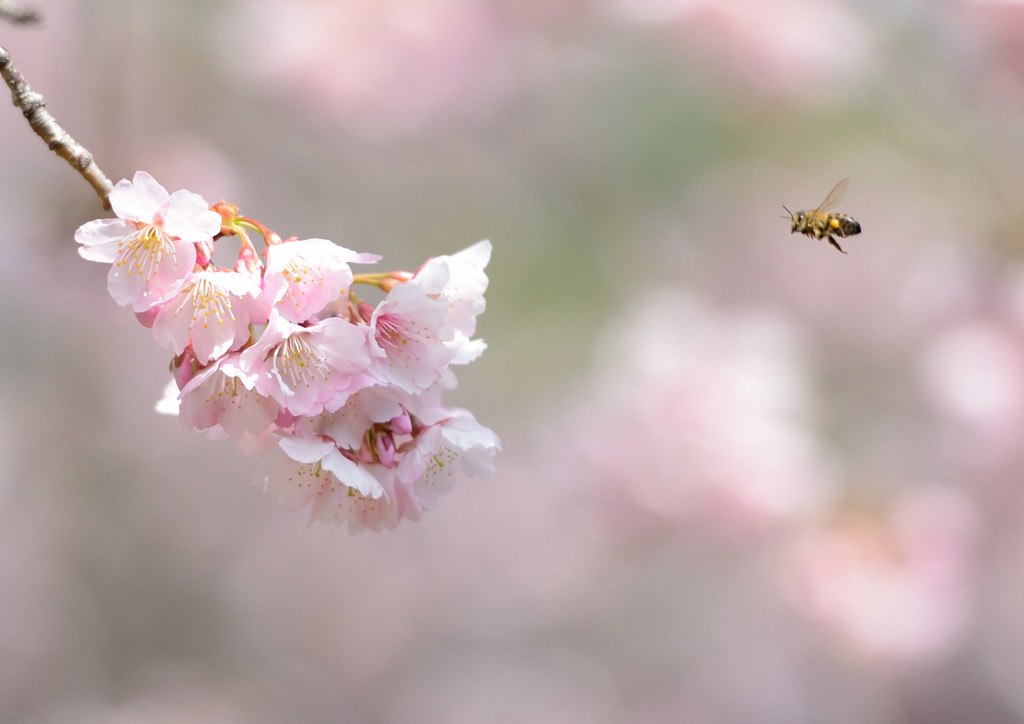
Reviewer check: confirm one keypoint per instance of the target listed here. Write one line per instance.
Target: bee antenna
(788, 212)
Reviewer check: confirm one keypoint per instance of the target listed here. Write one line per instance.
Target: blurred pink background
(745, 478)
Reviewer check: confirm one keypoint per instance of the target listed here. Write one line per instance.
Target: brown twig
(11, 11)
(33, 106)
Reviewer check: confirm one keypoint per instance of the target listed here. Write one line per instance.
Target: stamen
(211, 300)
(300, 364)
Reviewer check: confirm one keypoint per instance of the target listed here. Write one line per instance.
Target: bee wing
(834, 196)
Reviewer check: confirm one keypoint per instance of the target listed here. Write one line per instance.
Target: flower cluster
(340, 397)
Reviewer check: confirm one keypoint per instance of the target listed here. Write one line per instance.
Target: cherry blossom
(892, 582)
(304, 367)
(151, 245)
(410, 445)
(223, 395)
(723, 389)
(456, 444)
(341, 399)
(348, 424)
(316, 473)
(211, 312)
(303, 276)
(464, 288)
(407, 334)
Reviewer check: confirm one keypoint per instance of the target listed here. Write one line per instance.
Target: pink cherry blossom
(382, 67)
(973, 372)
(304, 276)
(315, 472)
(211, 311)
(407, 345)
(327, 455)
(724, 390)
(410, 444)
(347, 425)
(892, 583)
(151, 245)
(456, 444)
(464, 287)
(305, 367)
(341, 400)
(361, 512)
(223, 395)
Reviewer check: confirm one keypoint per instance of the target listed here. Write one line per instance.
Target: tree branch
(33, 106)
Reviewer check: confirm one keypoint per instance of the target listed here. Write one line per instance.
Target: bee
(821, 223)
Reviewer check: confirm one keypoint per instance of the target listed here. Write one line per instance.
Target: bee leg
(834, 243)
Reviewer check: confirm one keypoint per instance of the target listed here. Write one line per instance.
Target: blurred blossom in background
(700, 417)
(745, 478)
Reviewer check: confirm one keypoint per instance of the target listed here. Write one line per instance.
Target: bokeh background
(745, 478)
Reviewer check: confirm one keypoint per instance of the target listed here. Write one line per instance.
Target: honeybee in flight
(821, 223)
